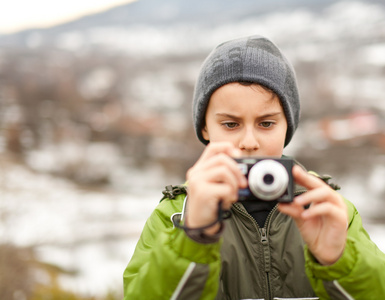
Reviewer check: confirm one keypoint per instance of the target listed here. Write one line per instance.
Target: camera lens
(268, 179)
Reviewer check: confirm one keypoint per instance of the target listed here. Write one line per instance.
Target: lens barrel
(268, 179)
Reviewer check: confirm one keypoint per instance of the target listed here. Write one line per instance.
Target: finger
(291, 209)
(233, 167)
(220, 160)
(319, 195)
(325, 209)
(209, 194)
(221, 174)
(218, 153)
(224, 193)
(305, 179)
(213, 149)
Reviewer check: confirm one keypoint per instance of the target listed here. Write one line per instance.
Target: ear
(205, 134)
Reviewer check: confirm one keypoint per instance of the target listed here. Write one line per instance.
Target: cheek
(274, 144)
(275, 150)
(221, 137)
(216, 134)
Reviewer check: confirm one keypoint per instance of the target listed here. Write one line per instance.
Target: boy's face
(249, 117)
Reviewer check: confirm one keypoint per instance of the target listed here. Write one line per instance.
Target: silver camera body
(268, 179)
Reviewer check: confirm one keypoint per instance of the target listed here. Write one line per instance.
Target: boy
(246, 104)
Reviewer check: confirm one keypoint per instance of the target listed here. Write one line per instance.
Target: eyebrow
(268, 115)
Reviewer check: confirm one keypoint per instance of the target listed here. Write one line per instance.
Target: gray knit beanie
(252, 59)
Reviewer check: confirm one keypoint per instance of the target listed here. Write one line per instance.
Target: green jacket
(249, 262)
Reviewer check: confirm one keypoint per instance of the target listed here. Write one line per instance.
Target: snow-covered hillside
(339, 55)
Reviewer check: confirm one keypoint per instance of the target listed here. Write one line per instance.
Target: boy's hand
(214, 177)
(323, 225)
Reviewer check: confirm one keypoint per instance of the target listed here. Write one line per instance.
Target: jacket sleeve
(358, 274)
(167, 264)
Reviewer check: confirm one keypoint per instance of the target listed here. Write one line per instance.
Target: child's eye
(230, 125)
(267, 124)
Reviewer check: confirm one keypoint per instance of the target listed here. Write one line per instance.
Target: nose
(249, 141)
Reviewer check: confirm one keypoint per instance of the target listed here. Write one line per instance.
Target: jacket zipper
(266, 249)
(266, 258)
(264, 239)
(265, 243)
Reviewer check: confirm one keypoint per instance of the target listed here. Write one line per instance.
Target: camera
(268, 179)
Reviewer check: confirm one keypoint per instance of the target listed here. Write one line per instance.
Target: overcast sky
(16, 15)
